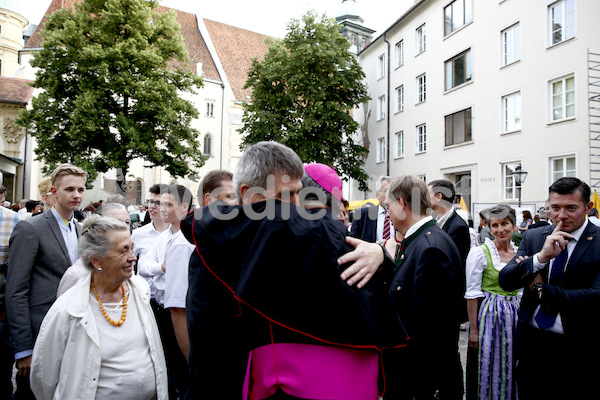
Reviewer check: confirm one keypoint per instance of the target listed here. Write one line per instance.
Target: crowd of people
(269, 288)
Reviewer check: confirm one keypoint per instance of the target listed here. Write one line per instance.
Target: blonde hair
(44, 186)
(63, 170)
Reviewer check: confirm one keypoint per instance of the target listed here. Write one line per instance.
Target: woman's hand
(473, 338)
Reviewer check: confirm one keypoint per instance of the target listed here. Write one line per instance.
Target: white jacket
(69, 334)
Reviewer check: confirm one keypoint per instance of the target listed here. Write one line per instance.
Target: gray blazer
(37, 259)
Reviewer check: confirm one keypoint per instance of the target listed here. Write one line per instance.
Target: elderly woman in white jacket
(100, 340)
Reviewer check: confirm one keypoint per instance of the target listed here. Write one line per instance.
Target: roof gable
(15, 91)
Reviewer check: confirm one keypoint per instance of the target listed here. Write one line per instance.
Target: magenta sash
(312, 371)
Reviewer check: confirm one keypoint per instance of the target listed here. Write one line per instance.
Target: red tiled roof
(15, 91)
(236, 48)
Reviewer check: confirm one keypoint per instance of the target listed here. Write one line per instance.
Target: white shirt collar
(416, 226)
(444, 218)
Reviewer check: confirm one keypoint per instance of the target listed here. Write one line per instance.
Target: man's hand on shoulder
(366, 259)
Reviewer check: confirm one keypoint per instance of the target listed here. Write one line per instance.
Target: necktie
(386, 228)
(545, 318)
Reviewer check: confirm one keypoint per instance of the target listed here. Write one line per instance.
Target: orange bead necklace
(109, 319)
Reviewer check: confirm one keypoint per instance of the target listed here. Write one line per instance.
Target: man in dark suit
(426, 287)
(370, 223)
(442, 196)
(557, 345)
(41, 249)
(543, 221)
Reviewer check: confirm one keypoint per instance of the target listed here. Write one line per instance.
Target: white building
(222, 55)
(468, 91)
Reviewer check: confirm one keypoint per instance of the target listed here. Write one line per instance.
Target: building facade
(474, 91)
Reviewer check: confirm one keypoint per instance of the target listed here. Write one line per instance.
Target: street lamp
(520, 176)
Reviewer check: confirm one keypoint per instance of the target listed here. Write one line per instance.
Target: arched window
(207, 145)
(138, 194)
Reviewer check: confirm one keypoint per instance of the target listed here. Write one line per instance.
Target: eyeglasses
(154, 203)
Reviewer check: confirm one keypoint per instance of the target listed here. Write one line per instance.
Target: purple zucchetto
(326, 177)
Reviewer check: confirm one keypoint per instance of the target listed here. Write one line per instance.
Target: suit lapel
(588, 237)
(57, 234)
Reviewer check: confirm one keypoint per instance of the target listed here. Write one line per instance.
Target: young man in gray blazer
(40, 250)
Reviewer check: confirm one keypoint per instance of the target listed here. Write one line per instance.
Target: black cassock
(268, 273)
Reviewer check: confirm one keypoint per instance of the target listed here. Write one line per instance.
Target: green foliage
(109, 95)
(303, 93)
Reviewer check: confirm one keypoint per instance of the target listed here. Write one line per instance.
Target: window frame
(381, 107)
(565, 24)
(381, 150)
(400, 98)
(468, 70)
(421, 133)
(466, 4)
(516, 127)
(468, 126)
(565, 93)
(210, 109)
(400, 145)
(421, 92)
(420, 39)
(381, 67)
(565, 171)
(514, 187)
(515, 50)
(399, 48)
(207, 139)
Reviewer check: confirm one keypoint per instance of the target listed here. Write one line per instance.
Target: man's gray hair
(95, 238)
(110, 206)
(264, 159)
(380, 181)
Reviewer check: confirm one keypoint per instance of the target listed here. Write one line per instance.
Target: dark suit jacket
(458, 230)
(37, 259)
(364, 224)
(426, 292)
(539, 224)
(577, 300)
(281, 268)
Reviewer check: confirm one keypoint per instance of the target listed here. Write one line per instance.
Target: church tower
(352, 26)
(12, 24)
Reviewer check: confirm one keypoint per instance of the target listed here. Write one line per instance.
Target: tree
(111, 91)
(303, 93)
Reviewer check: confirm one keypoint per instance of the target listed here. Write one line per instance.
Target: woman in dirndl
(492, 310)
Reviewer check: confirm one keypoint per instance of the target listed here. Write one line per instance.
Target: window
(381, 150)
(457, 14)
(381, 108)
(400, 98)
(562, 21)
(421, 138)
(458, 70)
(510, 184)
(511, 44)
(400, 53)
(399, 153)
(207, 145)
(458, 127)
(511, 112)
(421, 88)
(381, 66)
(563, 98)
(421, 39)
(209, 109)
(561, 167)
(138, 192)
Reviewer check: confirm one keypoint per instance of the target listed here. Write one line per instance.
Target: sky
(269, 17)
